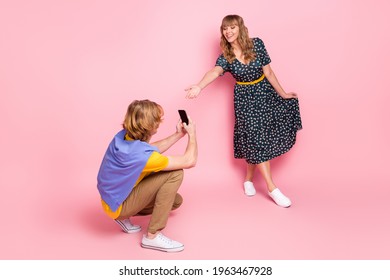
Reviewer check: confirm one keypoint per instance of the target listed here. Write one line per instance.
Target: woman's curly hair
(244, 41)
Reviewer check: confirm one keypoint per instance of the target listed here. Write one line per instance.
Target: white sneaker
(127, 226)
(279, 198)
(249, 188)
(162, 243)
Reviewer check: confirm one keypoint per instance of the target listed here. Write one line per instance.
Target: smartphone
(183, 116)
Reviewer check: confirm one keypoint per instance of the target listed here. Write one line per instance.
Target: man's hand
(180, 128)
(190, 128)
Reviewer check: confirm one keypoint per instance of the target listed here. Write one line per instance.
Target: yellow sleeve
(155, 163)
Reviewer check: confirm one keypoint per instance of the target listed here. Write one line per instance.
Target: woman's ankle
(271, 188)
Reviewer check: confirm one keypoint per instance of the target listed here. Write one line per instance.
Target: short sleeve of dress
(222, 62)
(261, 51)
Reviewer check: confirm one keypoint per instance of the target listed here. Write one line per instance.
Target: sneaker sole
(247, 194)
(284, 206)
(169, 250)
(280, 205)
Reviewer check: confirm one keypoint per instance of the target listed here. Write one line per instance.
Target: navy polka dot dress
(265, 123)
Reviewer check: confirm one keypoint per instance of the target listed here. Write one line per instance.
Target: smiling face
(235, 39)
(231, 32)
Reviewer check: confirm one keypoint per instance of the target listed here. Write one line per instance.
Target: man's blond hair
(142, 119)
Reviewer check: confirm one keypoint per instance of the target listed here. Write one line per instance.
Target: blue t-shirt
(122, 165)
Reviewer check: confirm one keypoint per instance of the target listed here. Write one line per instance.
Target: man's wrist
(192, 135)
(180, 134)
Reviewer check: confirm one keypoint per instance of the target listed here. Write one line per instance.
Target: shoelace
(165, 239)
(128, 224)
(125, 224)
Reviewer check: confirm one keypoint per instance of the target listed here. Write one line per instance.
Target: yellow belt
(253, 82)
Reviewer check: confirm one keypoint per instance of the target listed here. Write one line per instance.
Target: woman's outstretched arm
(194, 90)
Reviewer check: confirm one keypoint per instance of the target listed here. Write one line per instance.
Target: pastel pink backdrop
(69, 69)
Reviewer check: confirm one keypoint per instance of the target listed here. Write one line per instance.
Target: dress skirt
(265, 123)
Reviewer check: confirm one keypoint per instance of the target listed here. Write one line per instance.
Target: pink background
(68, 70)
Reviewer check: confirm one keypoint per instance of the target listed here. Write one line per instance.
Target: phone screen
(183, 116)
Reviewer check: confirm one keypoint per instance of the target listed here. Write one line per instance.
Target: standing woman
(266, 117)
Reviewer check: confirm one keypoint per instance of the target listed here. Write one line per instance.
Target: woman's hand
(290, 95)
(193, 91)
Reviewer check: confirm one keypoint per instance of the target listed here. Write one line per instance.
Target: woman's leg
(265, 170)
(250, 172)
(249, 188)
(279, 198)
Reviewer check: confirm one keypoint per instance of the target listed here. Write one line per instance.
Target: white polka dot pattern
(265, 123)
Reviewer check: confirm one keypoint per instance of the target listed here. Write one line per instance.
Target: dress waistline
(252, 82)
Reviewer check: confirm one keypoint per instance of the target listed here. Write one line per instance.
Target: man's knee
(178, 173)
(178, 201)
(176, 176)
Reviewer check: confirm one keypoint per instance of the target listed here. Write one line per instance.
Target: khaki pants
(155, 195)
